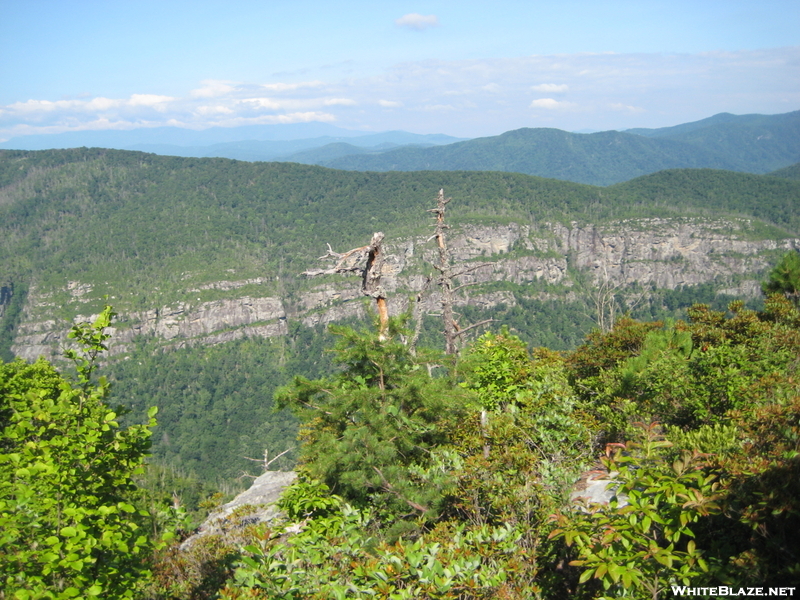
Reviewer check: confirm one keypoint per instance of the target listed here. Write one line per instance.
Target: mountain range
(202, 258)
(745, 143)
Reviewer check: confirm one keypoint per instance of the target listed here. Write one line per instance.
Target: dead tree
(447, 276)
(605, 304)
(351, 262)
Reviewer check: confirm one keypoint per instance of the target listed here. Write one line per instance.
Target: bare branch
(350, 262)
(473, 326)
(347, 262)
(265, 461)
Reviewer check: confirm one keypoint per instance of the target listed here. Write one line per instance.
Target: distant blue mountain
(747, 143)
(252, 142)
(177, 136)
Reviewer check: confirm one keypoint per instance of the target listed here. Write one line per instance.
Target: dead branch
(473, 326)
(475, 268)
(346, 262)
(265, 461)
(350, 262)
(418, 316)
(388, 487)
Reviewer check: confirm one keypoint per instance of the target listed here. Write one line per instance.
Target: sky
(465, 68)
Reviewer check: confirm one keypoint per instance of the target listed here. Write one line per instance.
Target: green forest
(143, 229)
(424, 475)
(421, 474)
(140, 226)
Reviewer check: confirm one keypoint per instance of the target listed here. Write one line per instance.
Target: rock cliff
(665, 253)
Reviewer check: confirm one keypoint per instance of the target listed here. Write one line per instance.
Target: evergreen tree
(370, 432)
(785, 278)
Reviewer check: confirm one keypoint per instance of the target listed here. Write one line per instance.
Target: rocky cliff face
(177, 325)
(667, 253)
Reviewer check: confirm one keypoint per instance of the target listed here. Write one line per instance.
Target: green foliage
(762, 479)
(720, 439)
(333, 554)
(215, 404)
(785, 277)
(714, 508)
(69, 524)
(369, 431)
(685, 375)
(642, 541)
(498, 367)
(704, 191)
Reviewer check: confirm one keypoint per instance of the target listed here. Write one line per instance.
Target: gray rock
(597, 488)
(667, 253)
(261, 496)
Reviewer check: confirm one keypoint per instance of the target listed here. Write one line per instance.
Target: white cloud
(290, 87)
(302, 117)
(551, 104)
(464, 97)
(260, 103)
(625, 108)
(550, 88)
(417, 21)
(213, 88)
(98, 104)
(151, 100)
(338, 102)
(213, 110)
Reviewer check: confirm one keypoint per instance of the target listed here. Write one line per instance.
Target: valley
(202, 258)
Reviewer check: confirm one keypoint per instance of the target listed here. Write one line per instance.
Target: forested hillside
(654, 460)
(790, 172)
(202, 260)
(423, 474)
(749, 143)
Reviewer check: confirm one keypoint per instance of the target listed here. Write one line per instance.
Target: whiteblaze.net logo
(723, 590)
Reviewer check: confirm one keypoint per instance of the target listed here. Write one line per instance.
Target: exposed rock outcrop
(666, 253)
(261, 497)
(207, 323)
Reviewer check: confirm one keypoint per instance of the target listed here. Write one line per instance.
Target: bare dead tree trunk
(445, 274)
(371, 283)
(452, 331)
(605, 303)
(418, 317)
(349, 262)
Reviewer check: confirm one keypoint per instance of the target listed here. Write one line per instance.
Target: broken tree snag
(345, 263)
(445, 274)
(371, 282)
(350, 262)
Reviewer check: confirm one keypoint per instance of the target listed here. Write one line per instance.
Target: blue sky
(464, 68)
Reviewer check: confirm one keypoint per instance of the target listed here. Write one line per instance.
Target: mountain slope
(750, 143)
(202, 259)
(790, 172)
(598, 159)
(754, 143)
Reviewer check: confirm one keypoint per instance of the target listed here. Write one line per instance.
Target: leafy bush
(69, 523)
